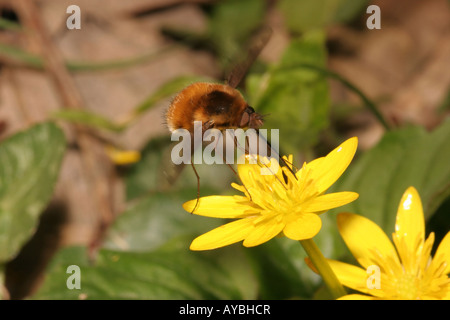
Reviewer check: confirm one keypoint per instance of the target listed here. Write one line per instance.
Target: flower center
(408, 287)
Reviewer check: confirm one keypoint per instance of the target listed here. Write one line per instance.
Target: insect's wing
(257, 43)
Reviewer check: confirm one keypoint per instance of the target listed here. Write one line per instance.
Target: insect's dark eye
(249, 110)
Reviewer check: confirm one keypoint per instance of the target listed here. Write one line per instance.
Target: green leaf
(296, 98)
(149, 174)
(403, 158)
(7, 24)
(408, 156)
(87, 118)
(156, 172)
(146, 256)
(155, 220)
(171, 272)
(3, 291)
(303, 16)
(350, 9)
(281, 270)
(29, 167)
(231, 24)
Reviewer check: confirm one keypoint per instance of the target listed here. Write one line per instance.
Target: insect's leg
(198, 187)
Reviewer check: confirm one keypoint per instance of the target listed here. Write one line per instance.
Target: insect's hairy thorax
(215, 105)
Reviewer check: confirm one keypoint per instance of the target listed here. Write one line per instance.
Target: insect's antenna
(291, 165)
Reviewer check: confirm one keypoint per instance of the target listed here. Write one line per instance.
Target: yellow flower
(405, 271)
(122, 157)
(272, 205)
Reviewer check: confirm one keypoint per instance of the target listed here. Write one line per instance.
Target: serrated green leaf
(29, 167)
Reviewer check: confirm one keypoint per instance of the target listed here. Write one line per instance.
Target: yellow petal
(263, 232)
(224, 235)
(446, 295)
(221, 207)
(248, 173)
(239, 188)
(442, 254)
(353, 277)
(330, 201)
(410, 224)
(305, 226)
(259, 173)
(365, 239)
(358, 297)
(326, 170)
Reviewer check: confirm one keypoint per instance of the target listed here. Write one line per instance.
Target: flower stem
(320, 263)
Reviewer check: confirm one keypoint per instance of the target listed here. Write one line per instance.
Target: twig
(156, 6)
(10, 75)
(97, 168)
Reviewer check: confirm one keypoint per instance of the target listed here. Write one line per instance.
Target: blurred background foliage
(143, 253)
